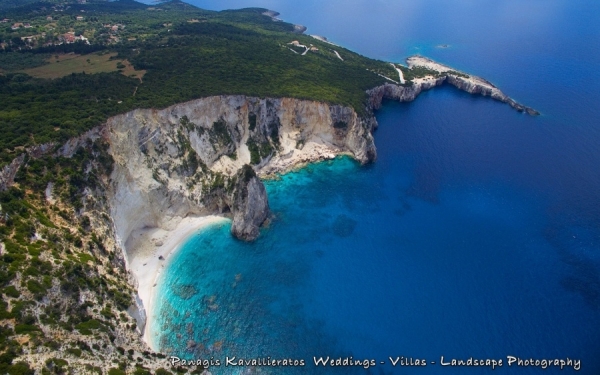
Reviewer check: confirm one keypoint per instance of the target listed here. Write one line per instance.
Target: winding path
(402, 81)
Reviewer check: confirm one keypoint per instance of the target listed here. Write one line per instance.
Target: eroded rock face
(184, 160)
(8, 173)
(401, 93)
(249, 204)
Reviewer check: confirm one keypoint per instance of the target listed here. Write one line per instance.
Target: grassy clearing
(65, 64)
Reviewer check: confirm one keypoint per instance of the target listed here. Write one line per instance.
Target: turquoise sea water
(475, 234)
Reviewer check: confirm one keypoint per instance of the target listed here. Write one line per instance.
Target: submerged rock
(184, 291)
(343, 226)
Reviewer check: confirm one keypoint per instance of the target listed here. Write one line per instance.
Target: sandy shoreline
(144, 249)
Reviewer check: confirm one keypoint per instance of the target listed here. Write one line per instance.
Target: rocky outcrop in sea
(250, 205)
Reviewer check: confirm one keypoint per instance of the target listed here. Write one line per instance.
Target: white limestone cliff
(152, 181)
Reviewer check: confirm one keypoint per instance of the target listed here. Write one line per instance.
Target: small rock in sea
(160, 257)
(191, 344)
(218, 345)
(266, 223)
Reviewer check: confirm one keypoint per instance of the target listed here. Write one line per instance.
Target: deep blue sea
(475, 234)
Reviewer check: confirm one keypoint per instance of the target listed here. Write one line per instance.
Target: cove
(446, 246)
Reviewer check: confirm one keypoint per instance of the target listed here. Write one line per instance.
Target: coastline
(144, 252)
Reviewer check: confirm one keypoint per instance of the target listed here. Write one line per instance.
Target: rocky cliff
(184, 160)
(401, 93)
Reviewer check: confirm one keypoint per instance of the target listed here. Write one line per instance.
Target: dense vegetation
(40, 111)
(208, 58)
(9, 5)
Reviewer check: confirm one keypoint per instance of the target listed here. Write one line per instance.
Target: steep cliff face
(401, 93)
(184, 160)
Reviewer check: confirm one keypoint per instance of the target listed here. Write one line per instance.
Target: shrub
(252, 121)
(86, 327)
(36, 288)
(26, 329)
(11, 291)
(76, 352)
(20, 368)
(141, 371)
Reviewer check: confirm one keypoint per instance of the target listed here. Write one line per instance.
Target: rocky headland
(437, 75)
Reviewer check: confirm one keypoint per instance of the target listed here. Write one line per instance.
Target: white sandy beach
(144, 249)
